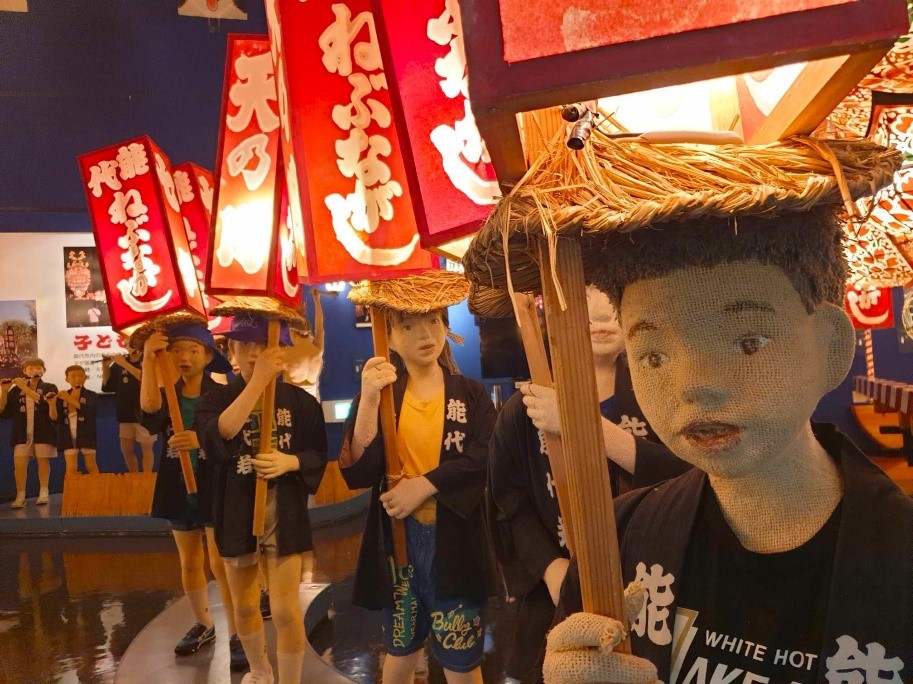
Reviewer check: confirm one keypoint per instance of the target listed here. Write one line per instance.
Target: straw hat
(489, 302)
(619, 185)
(266, 307)
(416, 294)
(162, 324)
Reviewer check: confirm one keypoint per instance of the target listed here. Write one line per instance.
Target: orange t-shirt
(418, 440)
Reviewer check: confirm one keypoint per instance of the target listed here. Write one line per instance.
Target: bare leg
(193, 575)
(20, 471)
(217, 565)
(400, 669)
(126, 448)
(88, 455)
(245, 592)
(71, 456)
(44, 472)
(284, 576)
(148, 456)
(474, 677)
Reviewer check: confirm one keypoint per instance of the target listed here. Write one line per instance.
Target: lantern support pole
(166, 376)
(591, 507)
(268, 403)
(541, 374)
(394, 466)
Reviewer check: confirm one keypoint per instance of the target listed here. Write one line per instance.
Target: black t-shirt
(750, 617)
(126, 393)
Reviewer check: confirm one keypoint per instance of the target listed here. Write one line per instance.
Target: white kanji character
(654, 616)
(456, 411)
(283, 417)
(128, 205)
(455, 439)
(167, 182)
(338, 36)
(359, 112)
(284, 441)
(245, 467)
(239, 157)
(252, 93)
(183, 186)
(246, 435)
(550, 484)
(851, 666)
(543, 445)
(103, 173)
(634, 425)
(132, 160)
(562, 533)
(206, 191)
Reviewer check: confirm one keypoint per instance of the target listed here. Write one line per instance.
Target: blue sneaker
(195, 639)
(236, 655)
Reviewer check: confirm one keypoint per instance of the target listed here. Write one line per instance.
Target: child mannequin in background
(117, 377)
(76, 426)
(193, 352)
(32, 404)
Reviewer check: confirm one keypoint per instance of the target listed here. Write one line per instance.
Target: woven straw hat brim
(488, 302)
(266, 307)
(416, 294)
(162, 323)
(616, 186)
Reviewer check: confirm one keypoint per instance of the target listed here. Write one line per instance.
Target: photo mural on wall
(18, 335)
(87, 305)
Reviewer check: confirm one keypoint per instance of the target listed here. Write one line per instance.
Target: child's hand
(274, 464)
(269, 363)
(376, 374)
(542, 407)
(581, 649)
(406, 496)
(186, 440)
(50, 397)
(157, 342)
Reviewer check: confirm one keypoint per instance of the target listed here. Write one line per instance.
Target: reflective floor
(70, 608)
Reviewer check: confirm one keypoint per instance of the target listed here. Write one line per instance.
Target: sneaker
(195, 639)
(258, 678)
(42, 497)
(19, 502)
(236, 654)
(265, 612)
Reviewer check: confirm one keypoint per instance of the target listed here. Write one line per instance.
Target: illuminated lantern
(252, 251)
(869, 307)
(447, 165)
(346, 168)
(527, 55)
(147, 266)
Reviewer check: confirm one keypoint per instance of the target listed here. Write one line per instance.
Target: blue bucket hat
(199, 333)
(253, 328)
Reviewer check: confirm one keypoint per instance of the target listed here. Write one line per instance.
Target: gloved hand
(580, 649)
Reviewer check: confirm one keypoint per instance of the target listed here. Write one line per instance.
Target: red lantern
(447, 164)
(869, 307)
(252, 251)
(346, 167)
(147, 265)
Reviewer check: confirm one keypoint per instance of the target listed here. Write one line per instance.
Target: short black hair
(807, 246)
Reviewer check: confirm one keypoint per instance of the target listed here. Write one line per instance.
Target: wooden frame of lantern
(132, 231)
(846, 40)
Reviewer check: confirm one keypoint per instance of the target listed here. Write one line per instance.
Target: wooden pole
(394, 466)
(267, 417)
(591, 507)
(541, 374)
(166, 376)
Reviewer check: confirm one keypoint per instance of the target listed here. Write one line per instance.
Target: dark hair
(446, 360)
(73, 368)
(33, 361)
(806, 246)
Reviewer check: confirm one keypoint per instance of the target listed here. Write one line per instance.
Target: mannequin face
(33, 370)
(245, 355)
(190, 357)
(605, 331)
(727, 364)
(76, 378)
(418, 338)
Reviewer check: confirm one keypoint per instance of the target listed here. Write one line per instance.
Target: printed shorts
(32, 450)
(455, 623)
(136, 432)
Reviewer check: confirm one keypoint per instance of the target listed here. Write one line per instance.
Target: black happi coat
(126, 393)
(523, 514)
(462, 564)
(168, 499)
(44, 429)
(85, 422)
(303, 435)
(871, 588)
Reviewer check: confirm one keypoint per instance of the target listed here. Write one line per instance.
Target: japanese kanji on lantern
(252, 248)
(447, 164)
(147, 264)
(346, 167)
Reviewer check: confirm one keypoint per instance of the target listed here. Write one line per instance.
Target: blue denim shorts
(455, 623)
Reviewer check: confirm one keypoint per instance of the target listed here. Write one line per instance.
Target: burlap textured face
(728, 364)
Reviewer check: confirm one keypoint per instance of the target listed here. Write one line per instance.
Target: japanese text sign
(869, 307)
(346, 167)
(147, 266)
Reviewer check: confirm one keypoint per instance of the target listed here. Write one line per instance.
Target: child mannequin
(126, 388)
(33, 434)
(76, 427)
(192, 350)
(444, 425)
(230, 420)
